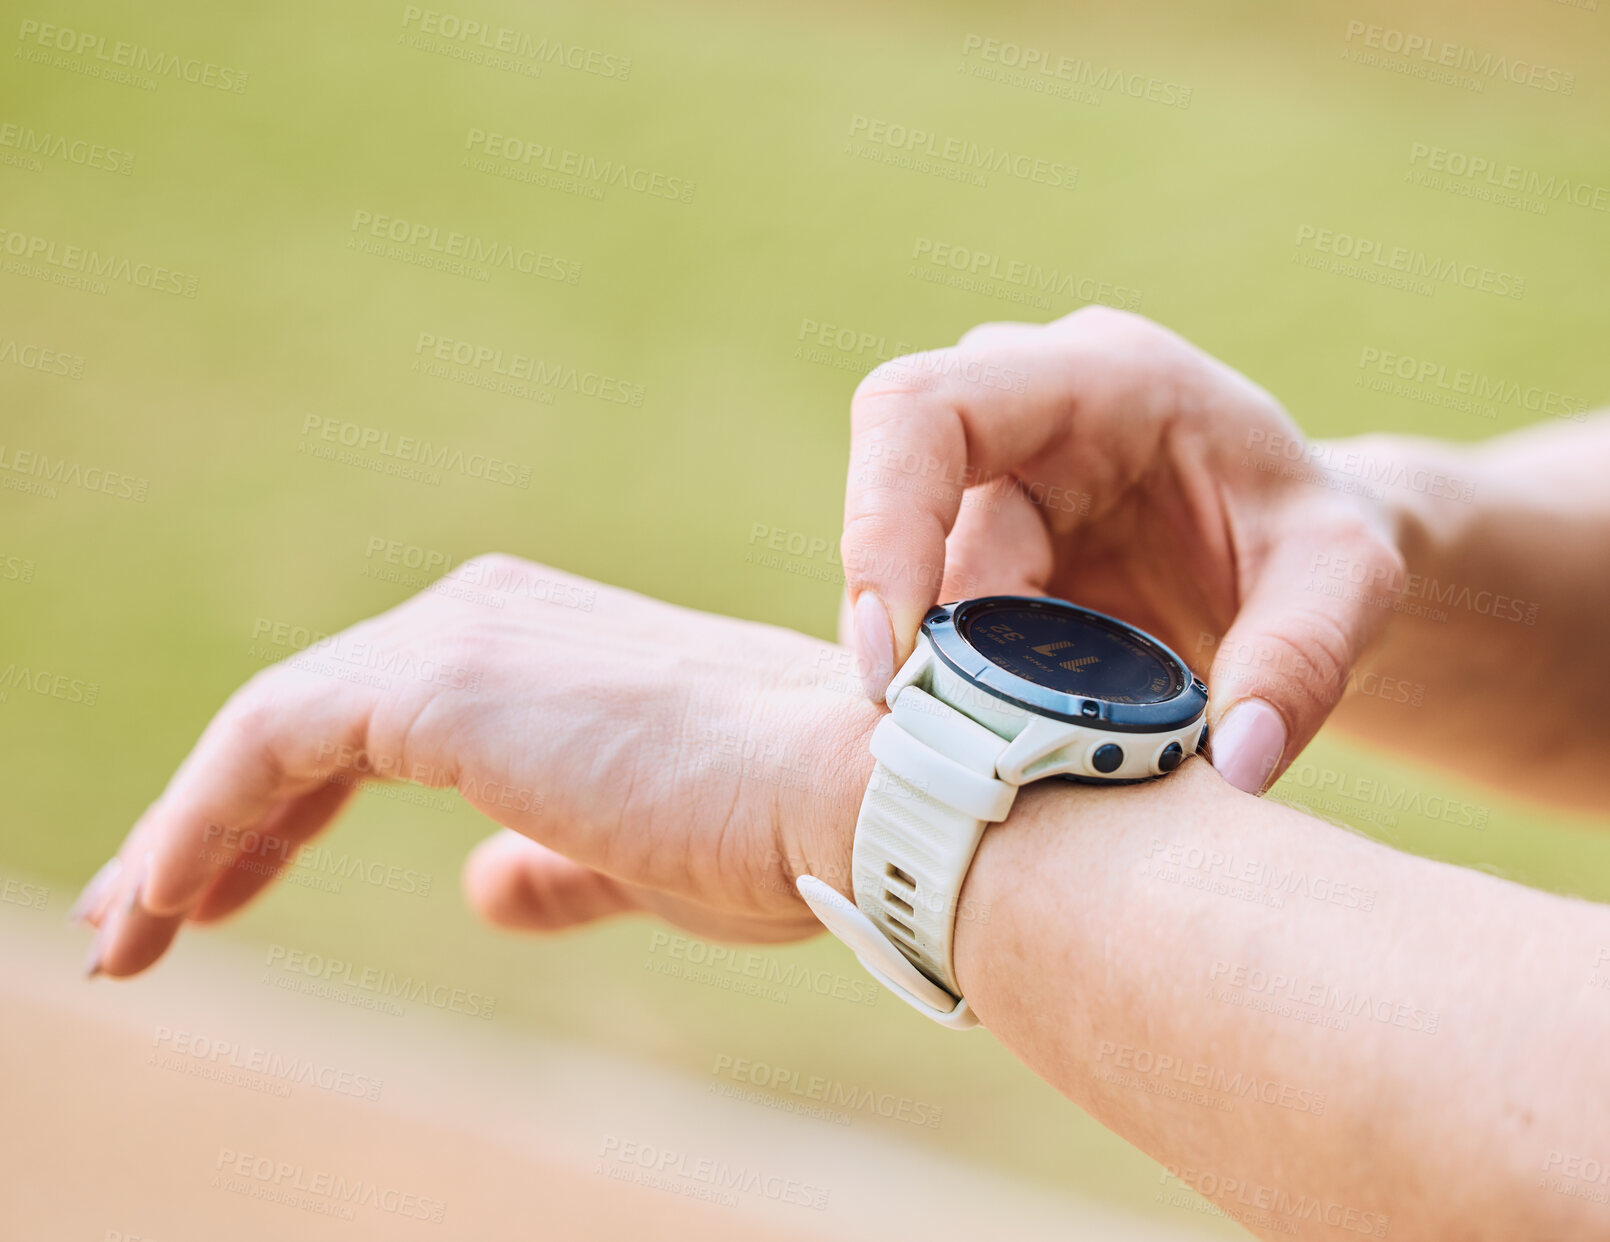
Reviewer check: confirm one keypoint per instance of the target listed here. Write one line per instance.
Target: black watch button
(1173, 755)
(1108, 757)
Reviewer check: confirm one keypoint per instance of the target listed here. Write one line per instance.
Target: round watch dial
(1072, 651)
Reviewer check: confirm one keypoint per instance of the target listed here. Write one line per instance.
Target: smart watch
(1000, 691)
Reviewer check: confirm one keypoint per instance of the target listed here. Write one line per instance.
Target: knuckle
(1098, 316)
(1327, 652)
(1356, 539)
(863, 535)
(991, 328)
(1384, 557)
(462, 653)
(893, 385)
(249, 713)
(1304, 665)
(1110, 325)
(491, 564)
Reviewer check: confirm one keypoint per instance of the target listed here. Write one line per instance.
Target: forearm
(1498, 619)
(1289, 1014)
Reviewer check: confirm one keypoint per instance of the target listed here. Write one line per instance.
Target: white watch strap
(932, 792)
(941, 778)
(883, 961)
(911, 854)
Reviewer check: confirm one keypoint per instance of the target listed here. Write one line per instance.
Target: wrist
(831, 723)
(1423, 492)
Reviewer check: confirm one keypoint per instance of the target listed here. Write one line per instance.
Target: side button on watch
(1001, 691)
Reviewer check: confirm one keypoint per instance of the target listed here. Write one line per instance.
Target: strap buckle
(882, 960)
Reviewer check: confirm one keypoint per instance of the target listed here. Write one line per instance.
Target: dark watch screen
(1071, 651)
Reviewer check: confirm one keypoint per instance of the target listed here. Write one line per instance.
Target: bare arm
(1317, 1032)
(1502, 609)
(1297, 1020)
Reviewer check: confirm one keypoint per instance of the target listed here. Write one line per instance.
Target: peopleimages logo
(486, 253)
(47, 145)
(46, 253)
(134, 56)
(497, 368)
(203, 1056)
(1032, 278)
(37, 358)
(767, 970)
(410, 450)
(831, 1093)
(318, 1190)
(1338, 998)
(1252, 1203)
(339, 973)
(963, 154)
(1552, 186)
(541, 50)
(41, 471)
(1441, 54)
(1007, 61)
(619, 1156)
(1161, 1065)
(562, 162)
(1369, 254)
(1462, 388)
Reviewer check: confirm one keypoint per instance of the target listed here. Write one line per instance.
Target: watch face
(1070, 650)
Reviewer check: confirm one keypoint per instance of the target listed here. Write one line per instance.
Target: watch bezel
(943, 626)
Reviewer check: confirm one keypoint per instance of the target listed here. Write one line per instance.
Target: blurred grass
(702, 304)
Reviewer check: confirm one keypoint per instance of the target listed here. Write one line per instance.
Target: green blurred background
(708, 306)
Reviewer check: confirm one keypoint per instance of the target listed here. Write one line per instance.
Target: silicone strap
(940, 779)
(932, 793)
(882, 960)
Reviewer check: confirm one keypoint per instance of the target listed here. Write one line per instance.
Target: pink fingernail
(109, 931)
(95, 891)
(874, 645)
(1248, 743)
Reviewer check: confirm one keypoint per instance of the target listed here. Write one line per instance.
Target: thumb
(514, 882)
(1284, 664)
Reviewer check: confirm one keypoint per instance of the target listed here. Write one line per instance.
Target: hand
(647, 758)
(1104, 460)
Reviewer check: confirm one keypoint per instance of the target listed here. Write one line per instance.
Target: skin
(1519, 577)
(1452, 1106)
(648, 758)
(1103, 459)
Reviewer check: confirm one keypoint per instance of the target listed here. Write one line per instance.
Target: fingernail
(107, 934)
(874, 645)
(1248, 743)
(95, 891)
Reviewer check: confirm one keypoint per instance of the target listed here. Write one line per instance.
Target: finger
(282, 736)
(999, 545)
(269, 848)
(1285, 661)
(130, 938)
(91, 903)
(512, 881)
(987, 334)
(925, 428)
